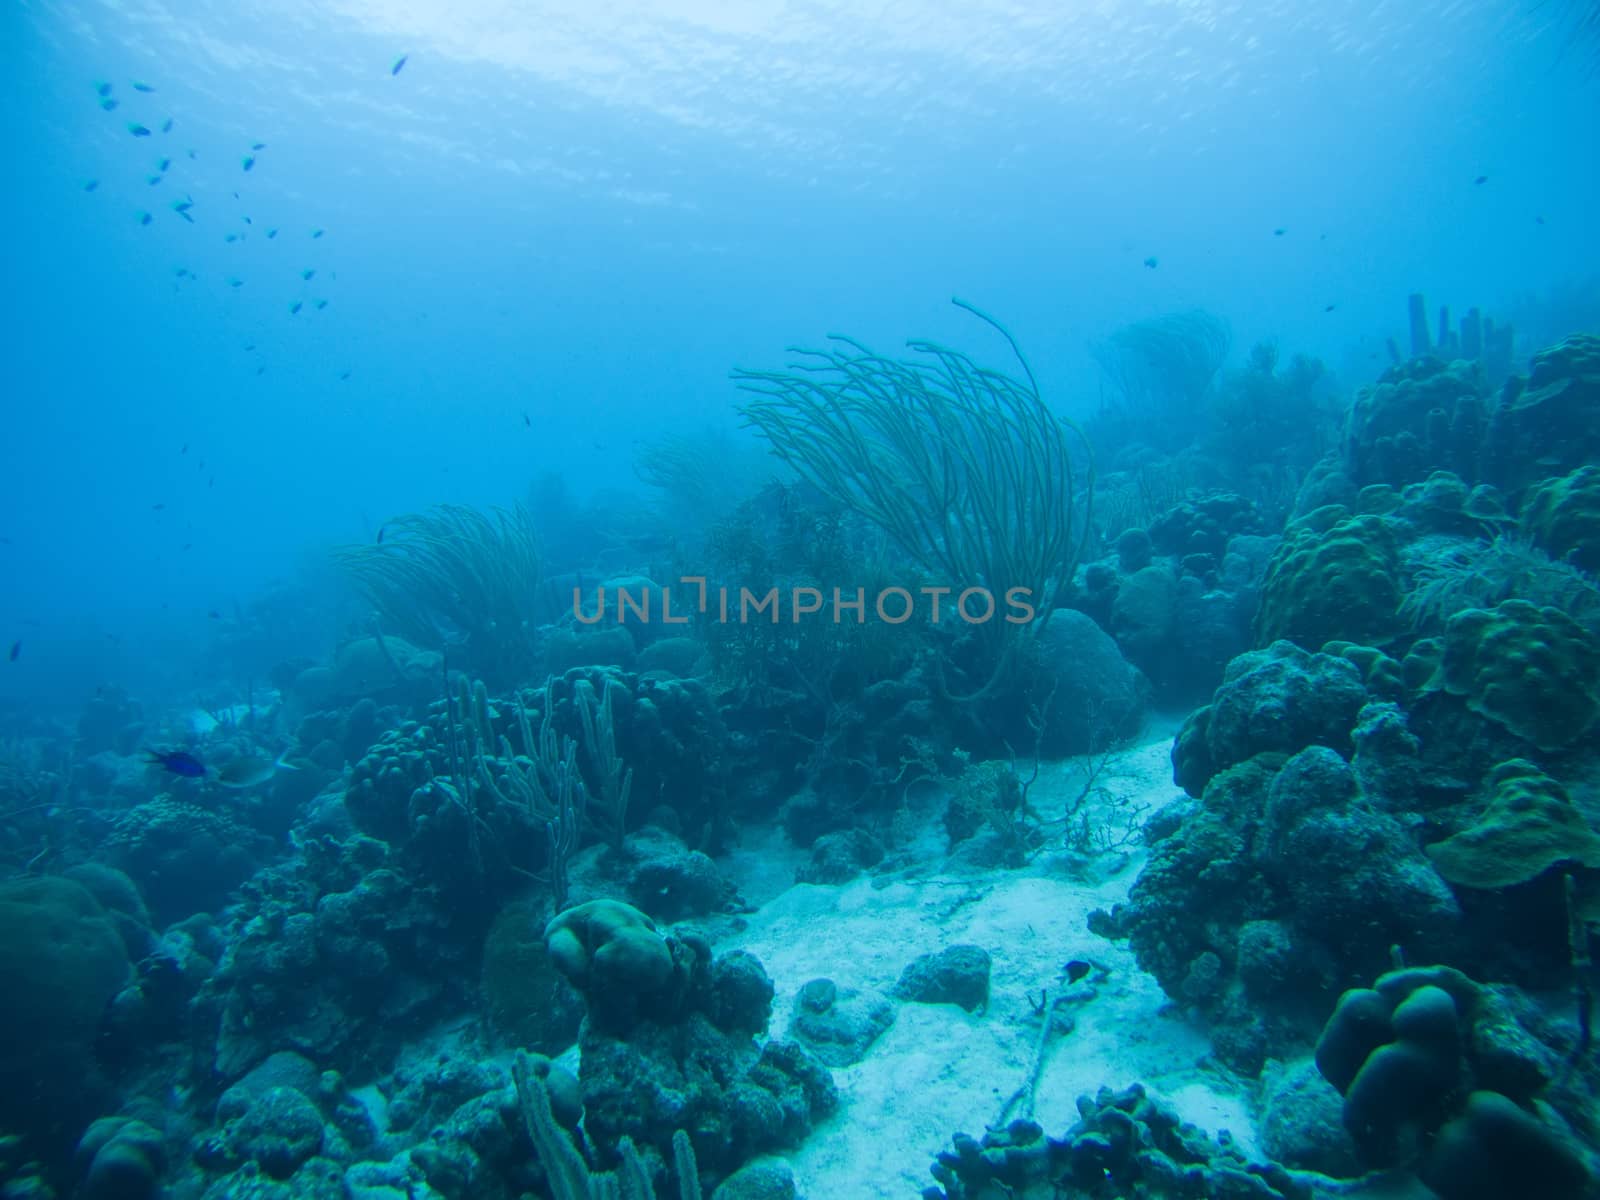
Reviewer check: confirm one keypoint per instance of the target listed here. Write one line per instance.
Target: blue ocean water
(591, 218)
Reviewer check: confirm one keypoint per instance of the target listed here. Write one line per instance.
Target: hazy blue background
(590, 212)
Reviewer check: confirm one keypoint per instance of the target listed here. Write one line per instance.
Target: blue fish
(166, 127)
(141, 87)
(109, 103)
(137, 129)
(249, 161)
(16, 650)
(398, 63)
(103, 89)
(1152, 262)
(179, 762)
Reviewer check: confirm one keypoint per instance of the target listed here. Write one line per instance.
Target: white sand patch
(938, 1069)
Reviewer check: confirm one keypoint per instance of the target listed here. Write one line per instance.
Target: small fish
(343, 375)
(145, 218)
(141, 87)
(211, 482)
(258, 145)
(234, 281)
(247, 221)
(185, 546)
(382, 529)
(1481, 179)
(179, 762)
(398, 63)
(1279, 232)
(16, 651)
(252, 770)
(185, 449)
(214, 614)
(1152, 262)
(272, 233)
(91, 185)
(163, 164)
(202, 464)
(527, 420)
(137, 129)
(109, 104)
(230, 237)
(251, 346)
(1076, 970)
(191, 154)
(1329, 308)
(249, 161)
(152, 180)
(157, 507)
(294, 308)
(183, 273)
(321, 304)
(316, 233)
(166, 127)
(103, 89)
(259, 371)
(308, 273)
(1538, 220)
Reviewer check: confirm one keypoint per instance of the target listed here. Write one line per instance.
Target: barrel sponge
(1333, 578)
(1495, 1148)
(1529, 826)
(1562, 517)
(1529, 669)
(61, 962)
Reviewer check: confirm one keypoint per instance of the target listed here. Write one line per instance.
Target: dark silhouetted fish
(382, 529)
(258, 145)
(109, 104)
(137, 129)
(235, 281)
(179, 762)
(157, 507)
(1329, 308)
(214, 614)
(308, 273)
(163, 164)
(249, 161)
(91, 184)
(166, 127)
(398, 63)
(316, 233)
(1481, 179)
(144, 218)
(16, 651)
(1152, 262)
(1279, 232)
(141, 87)
(103, 89)
(186, 546)
(185, 449)
(321, 304)
(1076, 970)
(1538, 220)
(294, 308)
(527, 420)
(344, 375)
(272, 233)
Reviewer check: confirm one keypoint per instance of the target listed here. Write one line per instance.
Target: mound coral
(1533, 671)
(1334, 578)
(1529, 826)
